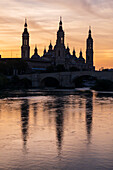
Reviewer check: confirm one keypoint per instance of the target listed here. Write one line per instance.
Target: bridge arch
(49, 82)
(84, 81)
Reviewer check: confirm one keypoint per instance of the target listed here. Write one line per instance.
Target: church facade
(58, 54)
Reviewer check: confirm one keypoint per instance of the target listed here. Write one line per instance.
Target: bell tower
(25, 49)
(60, 47)
(89, 50)
(60, 34)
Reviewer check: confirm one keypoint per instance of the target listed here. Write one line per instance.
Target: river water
(56, 131)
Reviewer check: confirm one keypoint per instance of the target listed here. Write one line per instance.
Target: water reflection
(55, 109)
(80, 106)
(24, 121)
(35, 109)
(89, 115)
(59, 105)
(62, 130)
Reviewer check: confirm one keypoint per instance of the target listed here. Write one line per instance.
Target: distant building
(56, 58)
(89, 50)
(59, 54)
(25, 49)
(56, 55)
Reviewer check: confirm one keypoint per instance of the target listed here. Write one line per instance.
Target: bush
(25, 83)
(17, 83)
(8, 67)
(3, 82)
(103, 85)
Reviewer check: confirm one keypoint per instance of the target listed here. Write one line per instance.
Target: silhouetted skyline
(43, 16)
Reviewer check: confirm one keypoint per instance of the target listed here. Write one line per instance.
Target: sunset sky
(43, 17)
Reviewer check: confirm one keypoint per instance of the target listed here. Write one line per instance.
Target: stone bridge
(64, 79)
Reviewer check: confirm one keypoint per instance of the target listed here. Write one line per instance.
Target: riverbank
(15, 83)
(45, 92)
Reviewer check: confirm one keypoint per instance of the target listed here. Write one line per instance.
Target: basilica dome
(35, 56)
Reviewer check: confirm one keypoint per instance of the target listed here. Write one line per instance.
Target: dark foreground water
(56, 131)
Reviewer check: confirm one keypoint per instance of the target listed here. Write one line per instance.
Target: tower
(60, 34)
(25, 49)
(60, 47)
(89, 50)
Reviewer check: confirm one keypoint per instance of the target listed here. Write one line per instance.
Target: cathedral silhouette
(58, 54)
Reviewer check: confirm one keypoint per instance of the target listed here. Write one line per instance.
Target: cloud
(94, 7)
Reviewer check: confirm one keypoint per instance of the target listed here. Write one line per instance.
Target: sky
(43, 19)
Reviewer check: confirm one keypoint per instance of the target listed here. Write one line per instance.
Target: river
(62, 130)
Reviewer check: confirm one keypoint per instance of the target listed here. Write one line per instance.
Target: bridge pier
(66, 80)
(35, 81)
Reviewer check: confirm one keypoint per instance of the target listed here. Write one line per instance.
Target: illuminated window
(90, 46)
(61, 40)
(25, 42)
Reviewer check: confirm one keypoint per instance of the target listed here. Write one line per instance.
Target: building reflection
(35, 108)
(89, 115)
(24, 121)
(80, 107)
(55, 107)
(59, 120)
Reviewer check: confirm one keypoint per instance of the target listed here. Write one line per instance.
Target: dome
(35, 56)
(81, 59)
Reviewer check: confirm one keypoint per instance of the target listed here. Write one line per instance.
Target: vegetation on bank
(4, 81)
(93, 83)
(11, 67)
(103, 85)
(14, 83)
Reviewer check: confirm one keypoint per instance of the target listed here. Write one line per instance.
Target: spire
(44, 50)
(50, 43)
(60, 24)
(50, 46)
(89, 31)
(74, 53)
(36, 51)
(25, 27)
(60, 20)
(80, 53)
(68, 49)
(25, 23)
